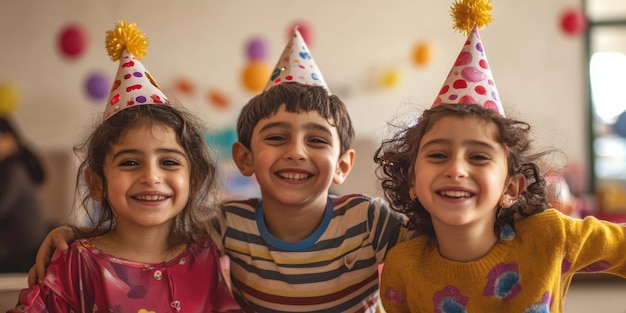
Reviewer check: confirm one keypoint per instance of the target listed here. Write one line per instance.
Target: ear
(243, 158)
(95, 185)
(344, 165)
(412, 194)
(513, 190)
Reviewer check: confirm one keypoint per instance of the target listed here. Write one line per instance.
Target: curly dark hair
(396, 157)
(192, 221)
(297, 98)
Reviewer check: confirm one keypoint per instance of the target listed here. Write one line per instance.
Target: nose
(295, 151)
(151, 174)
(456, 168)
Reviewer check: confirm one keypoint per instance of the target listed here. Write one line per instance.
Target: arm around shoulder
(393, 290)
(58, 238)
(58, 292)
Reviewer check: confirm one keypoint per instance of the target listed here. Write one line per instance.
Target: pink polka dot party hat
(470, 80)
(133, 84)
(296, 64)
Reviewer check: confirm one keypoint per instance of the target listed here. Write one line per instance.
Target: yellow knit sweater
(528, 270)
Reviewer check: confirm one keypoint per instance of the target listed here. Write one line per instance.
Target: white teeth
(150, 198)
(293, 176)
(455, 194)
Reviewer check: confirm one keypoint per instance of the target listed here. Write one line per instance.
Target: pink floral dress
(85, 279)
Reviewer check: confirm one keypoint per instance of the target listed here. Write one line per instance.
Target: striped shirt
(334, 270)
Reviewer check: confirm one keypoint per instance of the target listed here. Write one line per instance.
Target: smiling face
(147, 174)
(295, 158)
(460, 173)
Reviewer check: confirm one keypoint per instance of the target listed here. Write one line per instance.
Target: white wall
(538, 70)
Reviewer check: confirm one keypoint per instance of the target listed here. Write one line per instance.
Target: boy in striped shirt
(297, 248)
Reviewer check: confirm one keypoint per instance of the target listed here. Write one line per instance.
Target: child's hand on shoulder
(57, 239)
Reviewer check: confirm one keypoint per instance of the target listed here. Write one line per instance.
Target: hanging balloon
(422, 53)
(304, 29)
(573, 22)
(97, 86)
(391, 78)
(184, 86)
(8, 99)
(256, 49)
(255, 76)
(218, 99)
(72, 41)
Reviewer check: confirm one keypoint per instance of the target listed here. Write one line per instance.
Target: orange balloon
(218, 99)
(185, 86)
(422, 53)
(255, 76)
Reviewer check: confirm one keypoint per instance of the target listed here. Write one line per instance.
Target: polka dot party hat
(470, 80)
(133, 84)
(296, 64)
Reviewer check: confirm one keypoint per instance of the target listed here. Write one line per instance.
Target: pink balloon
(72, 41)
(573, 21)
(304, 29)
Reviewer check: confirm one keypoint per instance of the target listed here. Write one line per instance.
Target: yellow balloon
(255, 76)
(8, 99)
(391, 78)
(422, 53)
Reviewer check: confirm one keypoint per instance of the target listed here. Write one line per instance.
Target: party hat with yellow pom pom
(133, 84)
(470, 80)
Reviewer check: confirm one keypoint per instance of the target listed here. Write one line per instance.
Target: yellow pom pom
(470, 13)
(126, 36)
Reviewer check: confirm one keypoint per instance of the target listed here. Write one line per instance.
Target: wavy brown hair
(396, 157)
(192, 220)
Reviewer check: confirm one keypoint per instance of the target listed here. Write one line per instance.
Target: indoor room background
(199, 53)
(387, 60)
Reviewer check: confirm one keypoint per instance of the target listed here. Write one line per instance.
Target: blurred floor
(10, 285)
(601, 295)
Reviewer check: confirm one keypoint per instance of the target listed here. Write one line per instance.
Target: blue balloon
(97, 86)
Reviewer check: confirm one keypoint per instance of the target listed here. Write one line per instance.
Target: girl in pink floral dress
(148, 176)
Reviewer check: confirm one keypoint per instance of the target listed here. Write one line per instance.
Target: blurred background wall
(199, 52)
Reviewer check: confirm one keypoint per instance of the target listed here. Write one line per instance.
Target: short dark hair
(297, 98)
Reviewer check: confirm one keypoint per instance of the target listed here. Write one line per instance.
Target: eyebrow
(159, 150)
(307, 126)
(442, 141)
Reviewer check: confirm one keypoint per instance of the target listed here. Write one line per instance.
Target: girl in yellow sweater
(468, 178)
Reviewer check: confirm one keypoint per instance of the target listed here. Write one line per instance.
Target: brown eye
(436, 155)
(318, 140)
(275, 138)
(170, 162)
(479, 157)
(129, 163)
